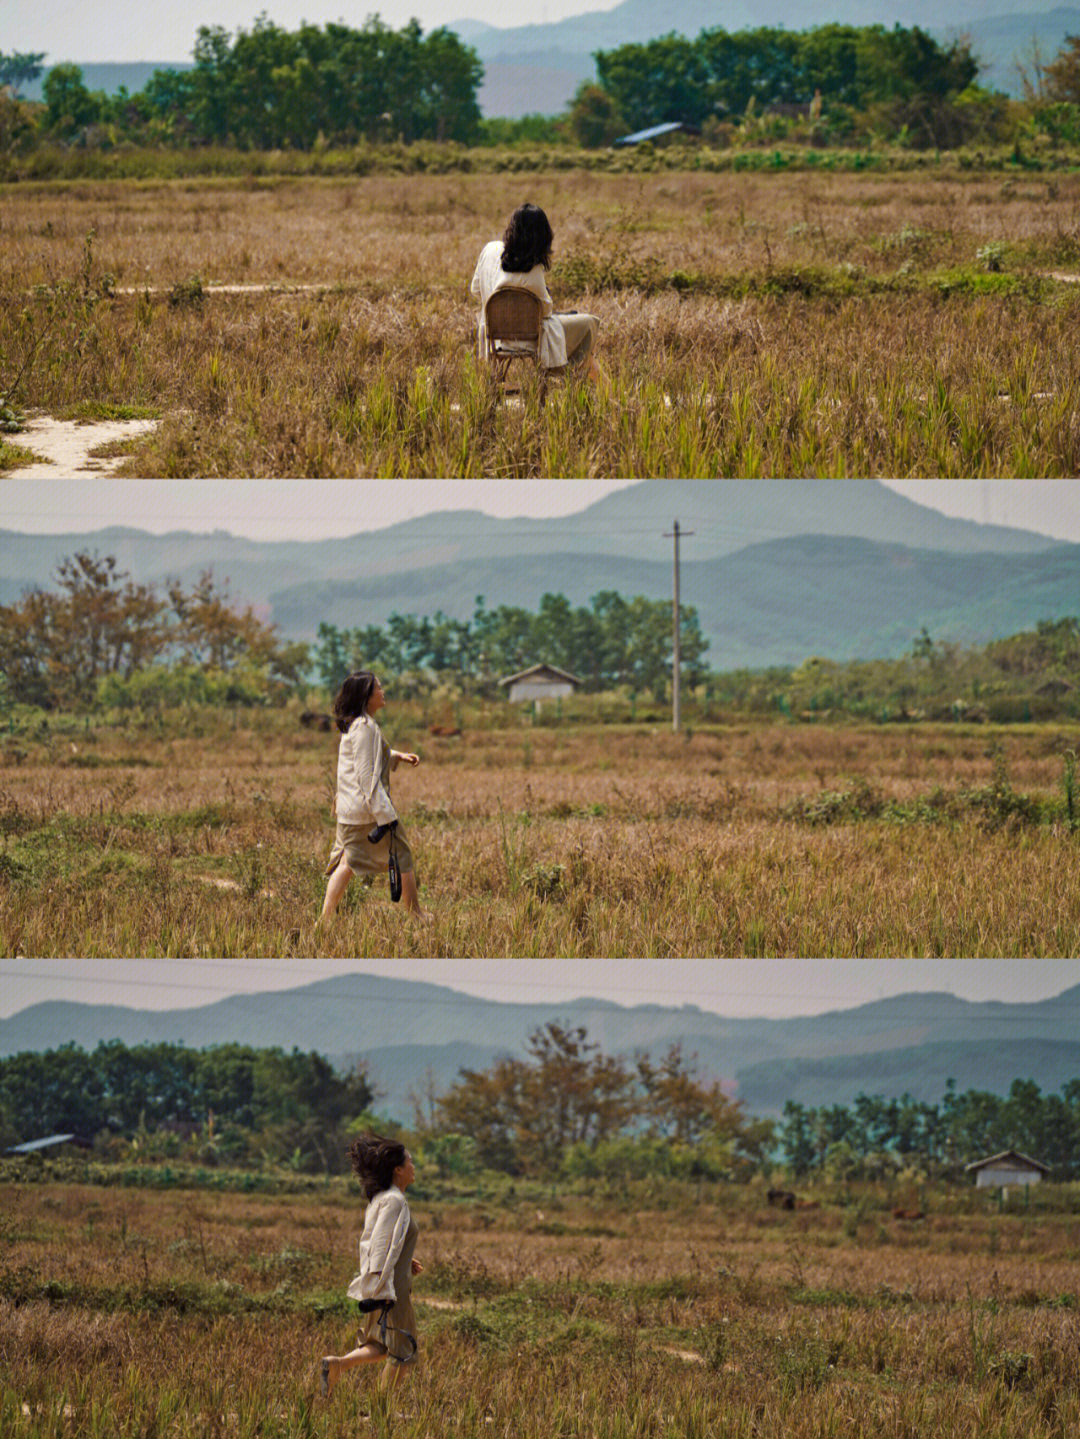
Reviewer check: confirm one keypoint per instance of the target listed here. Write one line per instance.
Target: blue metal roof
(651, 133)
(32, 1144)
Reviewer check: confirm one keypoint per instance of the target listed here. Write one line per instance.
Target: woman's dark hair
(352, 698)
(527, 241)
(375, 1160)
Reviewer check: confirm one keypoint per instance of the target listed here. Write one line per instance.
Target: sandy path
(65, 446)
(251, 287)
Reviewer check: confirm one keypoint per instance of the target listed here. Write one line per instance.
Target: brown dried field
(208, 836)
(651, 1311)
(379, 232)
(751, 323)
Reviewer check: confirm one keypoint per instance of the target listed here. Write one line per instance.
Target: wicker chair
(513, 330)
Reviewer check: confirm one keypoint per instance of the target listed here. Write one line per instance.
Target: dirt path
(66, 446)
(252, 287)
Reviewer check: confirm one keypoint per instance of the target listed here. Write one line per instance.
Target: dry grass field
(659, 1312)
(751, 323)
(207, 836)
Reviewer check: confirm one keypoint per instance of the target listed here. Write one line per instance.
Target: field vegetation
(616, 1309)
(751, 323)
(196, 830)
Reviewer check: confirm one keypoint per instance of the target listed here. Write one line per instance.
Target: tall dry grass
(751, 324)
(620, 1314)
(547, 841)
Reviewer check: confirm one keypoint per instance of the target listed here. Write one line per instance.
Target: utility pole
(676, 708)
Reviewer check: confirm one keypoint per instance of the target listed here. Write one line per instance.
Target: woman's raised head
(353, 698)
(375, 1159)
(527, 241)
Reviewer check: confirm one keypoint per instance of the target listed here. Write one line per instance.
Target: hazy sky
(319, 509)
(100, 30)
(732, 987)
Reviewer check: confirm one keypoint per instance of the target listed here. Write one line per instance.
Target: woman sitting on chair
(518, 262)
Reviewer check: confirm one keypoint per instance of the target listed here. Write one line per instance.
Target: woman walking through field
(384, 1285)
(370, 838)
(518, 262)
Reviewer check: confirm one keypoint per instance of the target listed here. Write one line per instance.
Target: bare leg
(335, 888)
(334, 1365)
(394, 1375)
(411, 900)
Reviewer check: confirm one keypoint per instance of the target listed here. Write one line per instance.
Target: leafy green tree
(452, 74)
(297, 1103)
(665, 79)
(269, 87)
(210, 97)
(69, 105)
(19, 69)
(595, 119)
(59, 1092)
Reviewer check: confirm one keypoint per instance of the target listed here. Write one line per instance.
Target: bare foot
(328, 1376)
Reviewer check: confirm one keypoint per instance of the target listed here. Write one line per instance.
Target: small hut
(1003, 1170)
(540, 682)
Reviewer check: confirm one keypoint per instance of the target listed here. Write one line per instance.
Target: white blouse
(490, 276)
(386, 1224)
(361, 796)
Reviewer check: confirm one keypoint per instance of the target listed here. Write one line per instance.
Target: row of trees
(569, 1108)
(610, 642)
(272, 88)
(239, 1101)
(100, 637)
(873, 1138)
(675, 78)
(564, 1107)
(1030, 675)
(834, 83)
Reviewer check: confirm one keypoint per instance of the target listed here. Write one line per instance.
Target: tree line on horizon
(228, 1101)
(272, 88)
(562, 1109)
(609, 643)
(101, 641)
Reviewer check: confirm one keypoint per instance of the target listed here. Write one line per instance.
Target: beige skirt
(362, 857)
(399, 1321)
(580, 331)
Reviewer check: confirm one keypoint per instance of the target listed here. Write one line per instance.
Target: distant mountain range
(535, 69)
(778, 569)
(769, 604)
(911, 1042)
